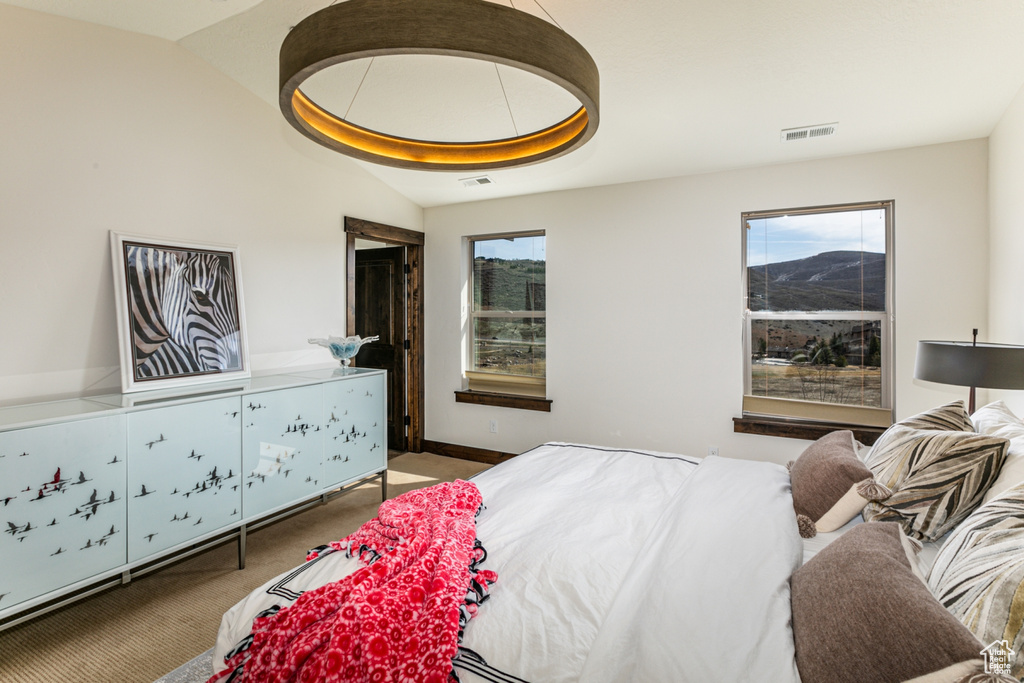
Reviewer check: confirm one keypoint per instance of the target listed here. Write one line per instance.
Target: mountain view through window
(816, 306)
(508, 306)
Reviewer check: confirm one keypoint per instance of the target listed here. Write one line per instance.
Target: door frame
(413, 243)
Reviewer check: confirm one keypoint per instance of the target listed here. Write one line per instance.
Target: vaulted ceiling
(687, 86)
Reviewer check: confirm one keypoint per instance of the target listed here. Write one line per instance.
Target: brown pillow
(828, 472)
(860, 614)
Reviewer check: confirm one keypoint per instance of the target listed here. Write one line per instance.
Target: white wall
(103, 130)
(644, 326)
(1006, 232)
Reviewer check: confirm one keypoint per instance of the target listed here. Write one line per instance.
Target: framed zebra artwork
(180, 317)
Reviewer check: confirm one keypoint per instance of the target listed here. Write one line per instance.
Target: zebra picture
(182, 310)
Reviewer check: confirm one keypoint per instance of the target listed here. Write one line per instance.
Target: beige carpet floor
(138, 632)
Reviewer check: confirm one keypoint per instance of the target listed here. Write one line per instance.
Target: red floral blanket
(399, 618)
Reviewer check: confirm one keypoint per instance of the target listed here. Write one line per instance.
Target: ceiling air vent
(479, 180)
(806, 132)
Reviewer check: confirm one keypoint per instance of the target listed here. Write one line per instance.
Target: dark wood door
(380, 310)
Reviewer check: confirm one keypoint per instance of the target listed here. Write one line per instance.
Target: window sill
(801, 429)
(489, 398)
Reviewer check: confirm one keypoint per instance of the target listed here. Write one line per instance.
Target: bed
(632, 565)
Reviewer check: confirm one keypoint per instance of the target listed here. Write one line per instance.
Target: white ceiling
(687, 86)
(170, 19)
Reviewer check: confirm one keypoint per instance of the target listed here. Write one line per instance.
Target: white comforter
(631, 566)
(618, 565)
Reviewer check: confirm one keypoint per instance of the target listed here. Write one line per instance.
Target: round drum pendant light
(475, 29)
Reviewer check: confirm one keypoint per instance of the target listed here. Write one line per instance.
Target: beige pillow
(979, 573)
(830, 484)
(860, 614)
(850, 505)
(996, 419)
(937, 477)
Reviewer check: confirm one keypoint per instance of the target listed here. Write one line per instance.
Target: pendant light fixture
(474, 29)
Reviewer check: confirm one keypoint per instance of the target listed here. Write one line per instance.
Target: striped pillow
(937, 477)
(891, 465)
(979, 573)
(951, 417)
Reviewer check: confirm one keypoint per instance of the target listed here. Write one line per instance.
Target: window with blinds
(818, 323)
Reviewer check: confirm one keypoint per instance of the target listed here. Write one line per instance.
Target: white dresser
(95, 491)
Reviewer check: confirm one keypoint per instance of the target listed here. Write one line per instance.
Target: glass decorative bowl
(343, 349)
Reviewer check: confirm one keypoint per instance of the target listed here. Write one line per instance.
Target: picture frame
(180, 312)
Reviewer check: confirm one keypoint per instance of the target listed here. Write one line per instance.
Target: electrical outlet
(712, 450)
(494, 426)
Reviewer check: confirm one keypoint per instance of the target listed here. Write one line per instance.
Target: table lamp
(970, 364)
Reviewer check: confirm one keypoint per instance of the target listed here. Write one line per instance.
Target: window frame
(811, 412)
(493, 382)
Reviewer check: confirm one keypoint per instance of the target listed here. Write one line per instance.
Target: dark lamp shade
(991, 366)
